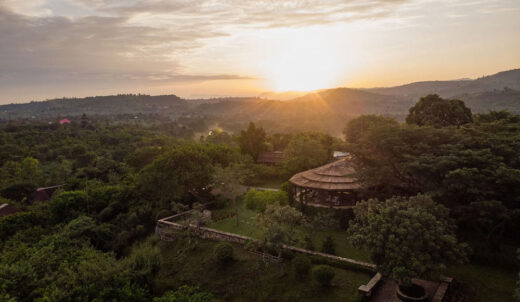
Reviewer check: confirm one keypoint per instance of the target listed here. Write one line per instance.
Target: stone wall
(217, 235)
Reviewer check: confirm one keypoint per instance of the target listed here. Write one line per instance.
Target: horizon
(292, 94)
(204, 49)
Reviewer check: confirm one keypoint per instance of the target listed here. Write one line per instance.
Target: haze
(55, 48)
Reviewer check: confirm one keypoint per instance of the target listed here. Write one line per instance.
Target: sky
(209, 48)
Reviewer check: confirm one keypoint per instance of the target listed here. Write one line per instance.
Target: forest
(442, 187)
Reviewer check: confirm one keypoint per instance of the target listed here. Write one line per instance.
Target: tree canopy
(252, 141)
(433, 110)
(406, 237)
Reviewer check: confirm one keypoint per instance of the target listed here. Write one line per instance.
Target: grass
(247, 227)
(247, 278)
(246, 222)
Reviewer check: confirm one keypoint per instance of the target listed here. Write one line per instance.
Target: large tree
(308, 150)
(229, 183)
(357, 127)
(252, 141)
(432, 110)
(279, 226)
(406, 237)
(173, 175)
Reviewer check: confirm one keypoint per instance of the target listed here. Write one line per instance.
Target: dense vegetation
(93, 241)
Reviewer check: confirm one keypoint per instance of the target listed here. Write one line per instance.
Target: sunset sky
(55, 48)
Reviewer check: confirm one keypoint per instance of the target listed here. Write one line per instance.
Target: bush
(301, 265)
(258, 200)
(223, 252)
(323, 274)
(328, 246)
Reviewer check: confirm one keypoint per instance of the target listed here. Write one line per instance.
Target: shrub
(323, 274)
(328, 246)
(223, 252)
(301, 265)
(258, 200)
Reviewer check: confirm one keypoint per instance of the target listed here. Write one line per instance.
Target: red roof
(64, 121)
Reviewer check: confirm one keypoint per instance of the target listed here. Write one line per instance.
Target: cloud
(142, 39)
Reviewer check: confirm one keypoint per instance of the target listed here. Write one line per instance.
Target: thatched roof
(336, 176)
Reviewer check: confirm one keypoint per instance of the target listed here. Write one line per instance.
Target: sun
(302, 64)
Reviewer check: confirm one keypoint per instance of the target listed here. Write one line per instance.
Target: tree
(406, 237)
(173, 175)
(252, 141)
(488, 218)
(357, 127)
(308, 150)
(228, 181)
(30, 170)
(433, 110)
(279, 226)
(10, 173)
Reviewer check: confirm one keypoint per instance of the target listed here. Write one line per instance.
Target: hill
(499, 81)
(98, 105)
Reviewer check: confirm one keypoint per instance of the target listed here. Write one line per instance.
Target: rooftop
(335, 176)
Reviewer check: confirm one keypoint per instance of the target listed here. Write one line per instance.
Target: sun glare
(302, 64)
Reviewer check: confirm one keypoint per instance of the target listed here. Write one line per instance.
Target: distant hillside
(506, 99)
(99, 105)
(499, 81)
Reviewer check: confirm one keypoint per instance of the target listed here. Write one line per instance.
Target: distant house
(64, 121)
(7, 209)
(44, 194)
(270, 158)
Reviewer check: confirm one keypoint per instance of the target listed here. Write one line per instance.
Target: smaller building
(270, 158)
(44, 194)
(7, 209)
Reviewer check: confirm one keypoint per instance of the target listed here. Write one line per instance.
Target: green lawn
(247, 227)
(247, 278)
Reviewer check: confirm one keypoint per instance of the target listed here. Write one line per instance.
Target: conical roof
(336, 176)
